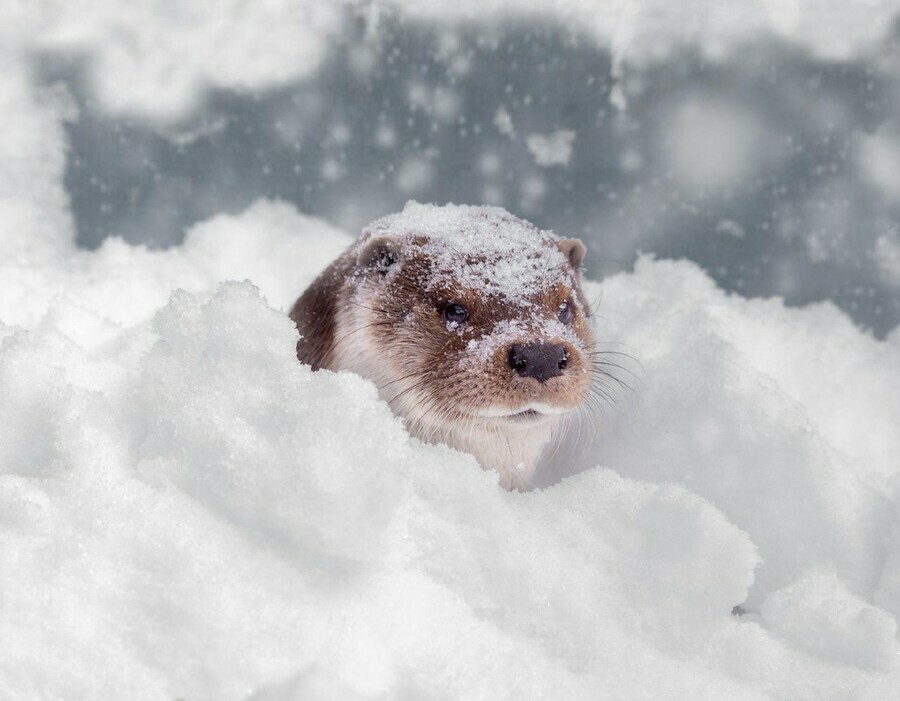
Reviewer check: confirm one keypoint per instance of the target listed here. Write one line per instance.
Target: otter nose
(538, 360)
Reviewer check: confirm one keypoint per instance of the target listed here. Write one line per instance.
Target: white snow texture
(188, 512)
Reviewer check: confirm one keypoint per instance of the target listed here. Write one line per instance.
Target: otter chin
(470, 321)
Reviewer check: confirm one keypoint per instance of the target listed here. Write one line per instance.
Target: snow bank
(187, 508)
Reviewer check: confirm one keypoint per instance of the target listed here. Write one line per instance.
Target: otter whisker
(400, 379)
(363, 306)
(603, 374)
(364, 327)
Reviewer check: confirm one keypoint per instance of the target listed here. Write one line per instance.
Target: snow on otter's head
(472, 323)
(486, 248)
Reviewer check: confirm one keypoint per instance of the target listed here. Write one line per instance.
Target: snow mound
(189, 509)
(261, 518)
(819, 614)
(769, 414)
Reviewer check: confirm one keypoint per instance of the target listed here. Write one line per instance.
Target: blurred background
(764, 145)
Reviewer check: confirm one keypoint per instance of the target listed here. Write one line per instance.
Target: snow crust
(188, 512)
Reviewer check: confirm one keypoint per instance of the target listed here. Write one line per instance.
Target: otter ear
(574, 250)
(378, 253)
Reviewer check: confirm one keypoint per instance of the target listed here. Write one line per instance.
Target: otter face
(490, 363)
(471, 332)
(472, 324)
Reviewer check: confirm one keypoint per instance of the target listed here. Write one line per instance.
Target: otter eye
(566, 313)
(455, 314)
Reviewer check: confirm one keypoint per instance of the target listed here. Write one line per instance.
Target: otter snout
(539, 360)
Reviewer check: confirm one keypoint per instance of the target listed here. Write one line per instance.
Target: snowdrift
(189, 512)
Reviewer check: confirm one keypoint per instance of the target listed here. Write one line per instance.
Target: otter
(470, 321)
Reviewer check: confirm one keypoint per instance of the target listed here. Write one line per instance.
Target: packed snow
(188, 512)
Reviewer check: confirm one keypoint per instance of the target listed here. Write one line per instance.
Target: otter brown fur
(470, 321)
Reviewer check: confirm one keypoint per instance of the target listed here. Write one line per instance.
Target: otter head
(473, 325)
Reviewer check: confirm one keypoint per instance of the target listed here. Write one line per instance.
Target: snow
(414, 174)
(638, 31)
(818, 613)
(551, 149)
(878, 161)
(492, 251)
(509, 331)
(711, 145)
(886, 254)
(188, 508)
(188, 512)
(503, 121)
(158, 61)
